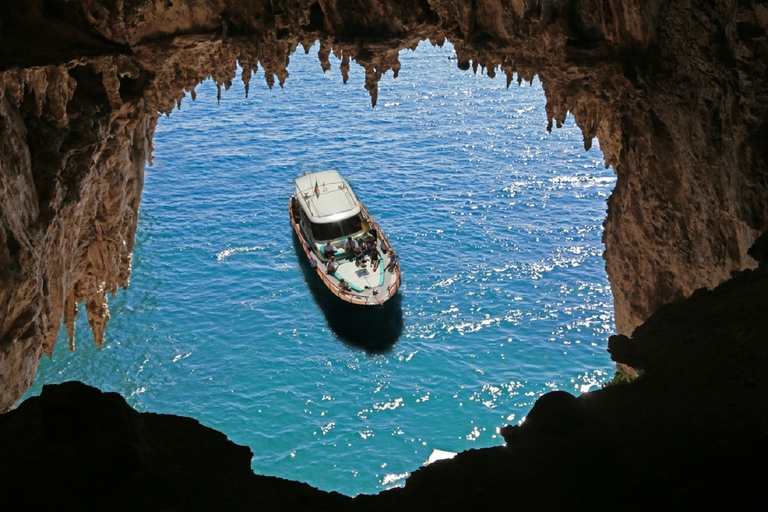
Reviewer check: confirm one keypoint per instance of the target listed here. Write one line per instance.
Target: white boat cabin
(330, 206)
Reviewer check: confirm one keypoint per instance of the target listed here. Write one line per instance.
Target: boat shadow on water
(373, 329)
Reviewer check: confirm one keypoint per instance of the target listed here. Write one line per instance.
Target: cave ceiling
(675, 91)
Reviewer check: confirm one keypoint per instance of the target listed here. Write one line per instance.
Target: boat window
(333, 230)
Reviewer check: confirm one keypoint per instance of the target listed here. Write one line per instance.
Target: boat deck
(367, 286)
(360, 278)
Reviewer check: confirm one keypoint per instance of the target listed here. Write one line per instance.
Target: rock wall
(70, 184)
(690, 194)
(675, 92)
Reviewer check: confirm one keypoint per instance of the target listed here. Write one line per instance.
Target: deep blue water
(497, 224)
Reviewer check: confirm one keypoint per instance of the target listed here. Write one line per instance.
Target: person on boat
(354, 251)
(373, 253)
(360, 258)
(332, 264)
(392, 265)
(329, 250)
(344, 285)
(363, 248)
(361, 251)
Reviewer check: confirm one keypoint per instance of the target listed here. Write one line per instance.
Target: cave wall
(675, 92)
(70, 184)
(690, 197)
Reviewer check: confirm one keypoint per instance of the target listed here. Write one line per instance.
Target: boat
(326, 214)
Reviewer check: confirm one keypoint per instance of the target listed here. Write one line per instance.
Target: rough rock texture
(71, 176)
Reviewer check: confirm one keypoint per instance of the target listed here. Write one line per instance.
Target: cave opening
(498, 226)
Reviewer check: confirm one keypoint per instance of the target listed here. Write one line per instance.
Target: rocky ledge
(690, 432)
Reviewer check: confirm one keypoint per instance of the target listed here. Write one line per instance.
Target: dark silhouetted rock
(76, 448)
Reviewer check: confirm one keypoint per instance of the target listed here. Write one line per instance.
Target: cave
(675, 93)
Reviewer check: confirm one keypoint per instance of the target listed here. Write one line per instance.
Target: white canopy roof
(333, 200)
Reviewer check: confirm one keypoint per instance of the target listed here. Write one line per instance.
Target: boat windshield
(340, 229)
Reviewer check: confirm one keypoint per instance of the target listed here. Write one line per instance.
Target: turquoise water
(497, 224)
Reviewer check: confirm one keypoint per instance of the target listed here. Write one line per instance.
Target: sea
(497, 224)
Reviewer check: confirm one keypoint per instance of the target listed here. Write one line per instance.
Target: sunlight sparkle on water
(497, 224)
